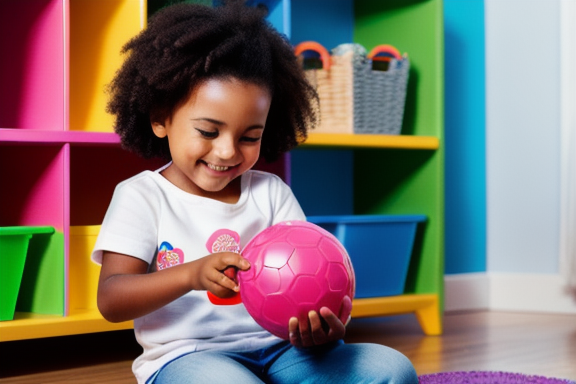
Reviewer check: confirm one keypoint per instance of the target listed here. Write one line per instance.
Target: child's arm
(126, 291)
(321, 328)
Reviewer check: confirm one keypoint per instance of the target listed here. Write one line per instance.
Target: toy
(296, 267)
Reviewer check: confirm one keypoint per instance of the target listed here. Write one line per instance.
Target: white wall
(523, 130)
(523, 135)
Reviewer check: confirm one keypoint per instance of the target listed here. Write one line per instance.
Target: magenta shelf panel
(57, 137)
(33, 74)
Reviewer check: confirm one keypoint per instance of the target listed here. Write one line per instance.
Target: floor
(537, 344)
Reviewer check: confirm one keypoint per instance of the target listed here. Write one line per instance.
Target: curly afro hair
(185, 44)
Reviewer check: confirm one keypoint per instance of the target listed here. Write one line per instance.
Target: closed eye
(207, 134)
(251, 139)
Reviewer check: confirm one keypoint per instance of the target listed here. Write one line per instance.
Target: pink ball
(296, 267)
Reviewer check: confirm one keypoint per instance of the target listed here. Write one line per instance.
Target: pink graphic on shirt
(168, 256)
(224, 240)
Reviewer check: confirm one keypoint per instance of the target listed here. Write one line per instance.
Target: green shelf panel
(414, 27)
(409, 182)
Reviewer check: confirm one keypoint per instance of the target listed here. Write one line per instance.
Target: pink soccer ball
(296, 267)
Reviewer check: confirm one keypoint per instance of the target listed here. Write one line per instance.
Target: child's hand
(321, 327)
(216, 273)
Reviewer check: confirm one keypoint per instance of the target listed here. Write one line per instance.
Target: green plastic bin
(14, 243)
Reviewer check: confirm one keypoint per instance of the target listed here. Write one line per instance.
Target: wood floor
(538, 344)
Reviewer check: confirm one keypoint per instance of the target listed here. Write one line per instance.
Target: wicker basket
(334, 85)
(355, 97)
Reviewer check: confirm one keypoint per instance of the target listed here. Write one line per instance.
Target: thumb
(236, 261)
(345, 310)
(242, 264)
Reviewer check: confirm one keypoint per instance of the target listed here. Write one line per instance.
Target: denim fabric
(283, 364)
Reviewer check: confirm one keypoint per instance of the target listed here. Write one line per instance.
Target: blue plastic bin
(380, 247)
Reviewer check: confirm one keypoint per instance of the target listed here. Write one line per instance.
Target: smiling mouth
(218, 168)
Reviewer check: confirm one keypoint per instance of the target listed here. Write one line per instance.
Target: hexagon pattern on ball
(296, 267)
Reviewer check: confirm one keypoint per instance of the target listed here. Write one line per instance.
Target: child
(209, 90)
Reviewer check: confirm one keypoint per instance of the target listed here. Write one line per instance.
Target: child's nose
(225, 148)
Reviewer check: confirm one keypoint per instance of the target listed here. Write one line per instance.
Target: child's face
(215, 136)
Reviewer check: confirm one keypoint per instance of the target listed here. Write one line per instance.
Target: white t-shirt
(153, 220)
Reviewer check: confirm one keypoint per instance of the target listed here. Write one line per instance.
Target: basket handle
(386, 49)
(316, 47)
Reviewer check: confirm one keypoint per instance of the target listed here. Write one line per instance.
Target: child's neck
(230, 194)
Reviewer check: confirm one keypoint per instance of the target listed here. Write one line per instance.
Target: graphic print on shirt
(224, 240)
(168, 256)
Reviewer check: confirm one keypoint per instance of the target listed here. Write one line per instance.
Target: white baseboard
(469, 291)
(508, 292)
(530, 292)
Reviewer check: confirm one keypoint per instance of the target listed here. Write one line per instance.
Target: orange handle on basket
(316, 47)
(385, 48)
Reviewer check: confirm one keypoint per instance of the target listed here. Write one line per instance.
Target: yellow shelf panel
(34, 326)
(426, 307)
(372, 141)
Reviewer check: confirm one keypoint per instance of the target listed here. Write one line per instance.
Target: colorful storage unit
(60, 155)
(380, 247)
(381, 174)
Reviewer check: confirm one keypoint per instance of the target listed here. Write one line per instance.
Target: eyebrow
(215, 122)
(221, 123)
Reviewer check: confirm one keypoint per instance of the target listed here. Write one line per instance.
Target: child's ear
(159, 129)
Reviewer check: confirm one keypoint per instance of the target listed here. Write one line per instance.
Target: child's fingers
(231, 259)
(300, 333)
(221, 285)
(294, 333)
(319, 328)
(336, 328)
(218, 273)
(319, 334)
(305, 333)
(227, 279)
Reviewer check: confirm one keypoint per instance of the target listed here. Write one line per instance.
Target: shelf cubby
(98, 31)
(33, 70)
(94, 173)
(34, 175)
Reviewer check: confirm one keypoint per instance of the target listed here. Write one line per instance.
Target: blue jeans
(283, 364)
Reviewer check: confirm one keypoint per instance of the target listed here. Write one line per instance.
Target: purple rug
(488, 378)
